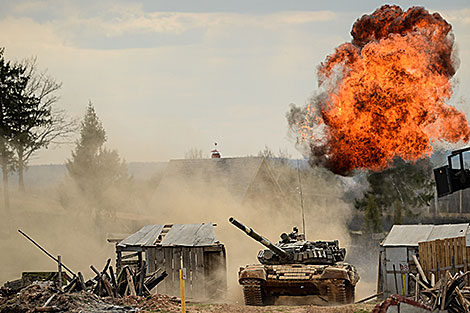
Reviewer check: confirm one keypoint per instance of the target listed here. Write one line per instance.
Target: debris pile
(449, 293)
(35, 298)
(127, 282)
(105, 292)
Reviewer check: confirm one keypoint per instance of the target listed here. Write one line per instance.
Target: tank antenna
(301, 199)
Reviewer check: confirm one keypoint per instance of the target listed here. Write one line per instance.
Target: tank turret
(294, 249)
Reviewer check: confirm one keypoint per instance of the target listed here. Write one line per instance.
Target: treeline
(29, 119)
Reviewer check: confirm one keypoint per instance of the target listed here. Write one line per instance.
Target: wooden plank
(150, 255)
(440, 255)
(434, 259)
(465, 260)
(118, 260)
(160, 264)
(130, 283)
(177, 258)
(430, 257)
(422, 255)
(170, 270)
(187, 265)
(199, 277)
(194, 280)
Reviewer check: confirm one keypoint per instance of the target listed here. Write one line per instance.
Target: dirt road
(233, 308)
(33, 297)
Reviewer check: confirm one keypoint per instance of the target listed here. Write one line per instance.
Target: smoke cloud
(383, 95)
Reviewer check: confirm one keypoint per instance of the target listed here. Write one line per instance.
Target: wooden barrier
(441, 255)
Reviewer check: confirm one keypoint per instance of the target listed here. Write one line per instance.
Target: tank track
(252, 292)
(340, 292)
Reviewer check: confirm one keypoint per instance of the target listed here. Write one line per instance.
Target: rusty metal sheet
(191, 235)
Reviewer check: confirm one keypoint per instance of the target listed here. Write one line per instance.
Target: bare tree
(193, 153)
(267, 153)
(53, 126)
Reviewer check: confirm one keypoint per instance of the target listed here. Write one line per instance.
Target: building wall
(394, 262)
(205, 270)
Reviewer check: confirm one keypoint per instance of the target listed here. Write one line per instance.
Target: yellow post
(403, 279)
(183, 302)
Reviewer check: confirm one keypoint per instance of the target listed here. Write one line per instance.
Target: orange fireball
(386, 93)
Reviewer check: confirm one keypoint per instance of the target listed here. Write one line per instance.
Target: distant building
(240, 181)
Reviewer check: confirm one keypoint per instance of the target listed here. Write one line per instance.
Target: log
(49, 300)
(81, 280)
(142, 279)
(369, 297)
(105, 269)
(71, 285)
(130, 282)
(47, 253)
(462, 300)
(154, 281)
(420, 269)
(107, 286)
(113, 280)
(444, 291)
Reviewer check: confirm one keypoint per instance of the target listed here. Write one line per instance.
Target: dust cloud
(198, 199)
(78, 233)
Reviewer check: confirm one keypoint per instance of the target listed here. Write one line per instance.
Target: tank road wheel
(337, 292)
(350, 293)
(252, 292)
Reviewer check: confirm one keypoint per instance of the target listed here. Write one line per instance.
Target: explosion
(385, 93)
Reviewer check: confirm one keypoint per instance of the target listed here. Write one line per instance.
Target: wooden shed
(171, 247)
(405, 241)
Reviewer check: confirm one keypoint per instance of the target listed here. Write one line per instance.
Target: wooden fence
(441, 255)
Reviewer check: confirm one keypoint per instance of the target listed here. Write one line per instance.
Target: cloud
(116, 25)
(457, 16)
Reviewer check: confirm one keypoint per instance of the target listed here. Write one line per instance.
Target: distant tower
(215, 154)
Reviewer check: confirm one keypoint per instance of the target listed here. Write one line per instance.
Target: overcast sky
(166, 76)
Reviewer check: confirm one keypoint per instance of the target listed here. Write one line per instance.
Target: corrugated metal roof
(146, 236)
(407, 235)
(190, 235)
(448, 231)
(193, 235)
(411, 235)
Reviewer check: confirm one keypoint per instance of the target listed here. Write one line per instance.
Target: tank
(296, 267)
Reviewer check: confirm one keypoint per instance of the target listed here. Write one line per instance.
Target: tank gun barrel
(253, 234)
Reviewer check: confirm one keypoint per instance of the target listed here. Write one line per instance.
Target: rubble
(35, 298)
(447, 294)
(127, 282)
(105, 292)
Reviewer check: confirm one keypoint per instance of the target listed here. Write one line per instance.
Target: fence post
(59, 264)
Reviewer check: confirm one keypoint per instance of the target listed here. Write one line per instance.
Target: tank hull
(262, 284)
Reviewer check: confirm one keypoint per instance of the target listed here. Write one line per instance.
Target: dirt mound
(154, 303)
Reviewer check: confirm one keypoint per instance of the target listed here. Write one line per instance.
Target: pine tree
(401, 190)
(94, 168)
(14, 110)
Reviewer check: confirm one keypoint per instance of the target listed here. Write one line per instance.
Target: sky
(168, 76)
